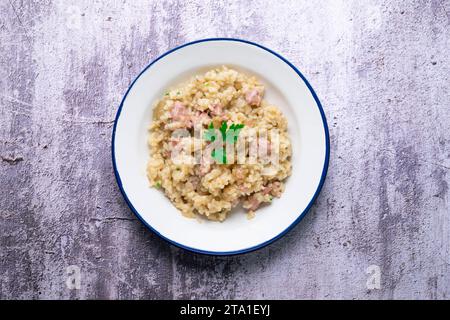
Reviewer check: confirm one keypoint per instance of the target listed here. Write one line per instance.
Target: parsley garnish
(210, 134)
(229, 136)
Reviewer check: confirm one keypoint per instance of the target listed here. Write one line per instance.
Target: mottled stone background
(381, 70)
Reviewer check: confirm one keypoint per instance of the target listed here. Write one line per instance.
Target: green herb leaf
(210, 133)
(223, 130)
(233, 133)
(219, 155)
(229, 136)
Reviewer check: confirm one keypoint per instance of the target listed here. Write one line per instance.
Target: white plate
(285, 87)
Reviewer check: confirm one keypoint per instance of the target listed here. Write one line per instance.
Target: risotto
(218, 171)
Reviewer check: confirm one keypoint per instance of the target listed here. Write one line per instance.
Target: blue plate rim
(293, 224)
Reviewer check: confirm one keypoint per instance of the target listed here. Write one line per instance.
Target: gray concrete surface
(381, 70)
